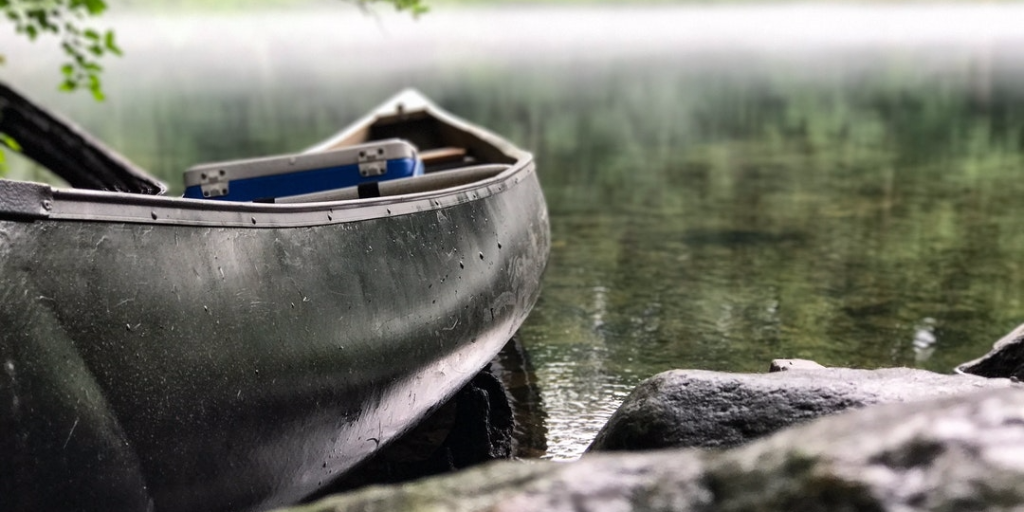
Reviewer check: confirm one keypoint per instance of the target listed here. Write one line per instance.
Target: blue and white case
(290, 175)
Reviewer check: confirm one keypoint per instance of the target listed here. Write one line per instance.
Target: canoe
(171, 354)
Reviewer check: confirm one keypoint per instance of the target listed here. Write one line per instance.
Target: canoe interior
(444, 146)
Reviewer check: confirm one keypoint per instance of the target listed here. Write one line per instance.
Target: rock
(684, 408)
(600, 483)
(785, 365)
(952, 454)
(955, 453)
(1005, 360)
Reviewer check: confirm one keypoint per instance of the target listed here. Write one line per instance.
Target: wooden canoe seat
(442, 155)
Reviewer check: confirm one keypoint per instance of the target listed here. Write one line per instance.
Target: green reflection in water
(720, 221)
(704, 215)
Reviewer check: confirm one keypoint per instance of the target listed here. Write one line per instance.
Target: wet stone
(1005, 360)
(951, 454)
(694, 408)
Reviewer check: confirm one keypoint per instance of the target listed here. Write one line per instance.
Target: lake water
(727, 185)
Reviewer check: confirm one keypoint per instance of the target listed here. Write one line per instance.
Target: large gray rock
(694, 408)
(954, 454)
(1005, 360)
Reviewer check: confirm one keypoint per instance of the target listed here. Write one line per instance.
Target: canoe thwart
(442, 155)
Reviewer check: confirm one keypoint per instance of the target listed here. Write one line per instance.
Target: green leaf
(36, 14)
(82, 46)
(111, 45)
(9, 141)
(95, 6)
(42, 18)
(95, 88)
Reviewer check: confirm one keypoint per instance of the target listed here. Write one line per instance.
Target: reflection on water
(579, 397)
(924, 340)
(725, 187)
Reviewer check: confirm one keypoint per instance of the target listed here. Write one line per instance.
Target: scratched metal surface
(175, 367)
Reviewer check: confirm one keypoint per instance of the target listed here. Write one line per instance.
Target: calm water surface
(726, 185)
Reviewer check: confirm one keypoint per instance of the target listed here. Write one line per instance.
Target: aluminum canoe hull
(163, 354)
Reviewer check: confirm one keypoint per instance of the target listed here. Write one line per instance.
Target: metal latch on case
(213, 183)
(372, 163)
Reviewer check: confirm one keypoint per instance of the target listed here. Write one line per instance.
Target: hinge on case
(372, 163)
(213, 183)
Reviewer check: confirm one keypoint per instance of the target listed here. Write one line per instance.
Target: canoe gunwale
(87, 205)
(30, 201)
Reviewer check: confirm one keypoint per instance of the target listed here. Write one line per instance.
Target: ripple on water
(578, 402)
